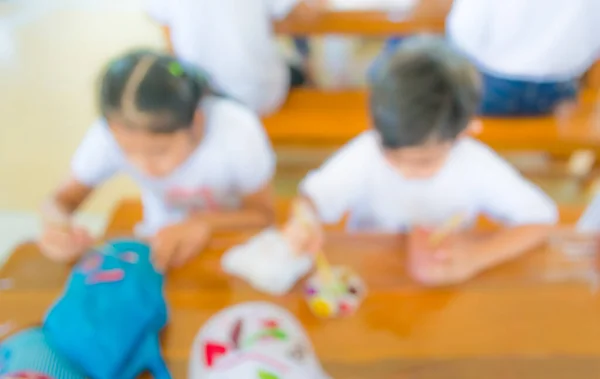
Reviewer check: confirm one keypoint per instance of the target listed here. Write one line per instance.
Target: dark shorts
(391, 44)
(297, 74)
(297, 77)
(506, 97)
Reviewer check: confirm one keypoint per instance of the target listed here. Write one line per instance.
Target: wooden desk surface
(428, 16)
(516, 321)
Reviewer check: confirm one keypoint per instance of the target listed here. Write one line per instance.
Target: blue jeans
(390, 46)
(505, 97)
(302, 46)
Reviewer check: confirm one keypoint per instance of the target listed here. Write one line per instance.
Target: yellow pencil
(323, 266)
(446, 229)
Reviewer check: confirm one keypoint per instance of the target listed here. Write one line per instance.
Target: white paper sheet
(267, 262)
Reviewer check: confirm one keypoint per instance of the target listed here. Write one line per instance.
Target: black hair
(424, 91)
(152, 91)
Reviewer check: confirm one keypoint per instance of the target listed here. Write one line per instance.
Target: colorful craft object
(108, 320)
(338, 294)
(27, 355)
(253, 340)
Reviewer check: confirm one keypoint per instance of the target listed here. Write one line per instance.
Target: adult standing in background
(531, 53)
(234, 42)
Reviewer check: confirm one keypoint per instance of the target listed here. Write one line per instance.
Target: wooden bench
(319, 118)
(513, 321)
(427, 16)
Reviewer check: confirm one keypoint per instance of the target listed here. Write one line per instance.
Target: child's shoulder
(99, 133)
(470, 147)
(365, 143)
(229, 115)
(477, 156)
(361, 148)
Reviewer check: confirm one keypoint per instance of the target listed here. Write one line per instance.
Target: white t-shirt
(359, 181)
(536, 40)
(233, 159)
(233, 41)
(589, 222)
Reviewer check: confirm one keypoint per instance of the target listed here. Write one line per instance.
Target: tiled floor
(50, 54)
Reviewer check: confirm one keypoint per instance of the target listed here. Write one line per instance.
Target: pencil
(323, 266)
(446, 229)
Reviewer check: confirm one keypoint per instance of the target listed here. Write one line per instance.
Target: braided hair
(152, 91)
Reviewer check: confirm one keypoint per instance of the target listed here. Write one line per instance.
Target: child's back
(541, 39)
(517, 44)
(233, 41)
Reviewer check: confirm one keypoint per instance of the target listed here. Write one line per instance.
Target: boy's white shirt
(535, 40)
(589, 222)
(234, 42)
(358, 181)
(233, 159)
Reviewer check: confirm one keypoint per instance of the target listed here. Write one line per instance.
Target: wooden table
(511, 322)
(428, 16)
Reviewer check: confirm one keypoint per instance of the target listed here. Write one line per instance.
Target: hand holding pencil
(303, 230)
(448, 228)
(443, 255)
(61, 240)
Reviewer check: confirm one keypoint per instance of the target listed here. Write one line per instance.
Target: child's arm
(94, 162)
(158, 10)
(327, 194)
(525, 211)
(174, 245)
(61, 240)
(462, 256)
(257, 211)
(303, 230)
(166, 31)
(506, 244)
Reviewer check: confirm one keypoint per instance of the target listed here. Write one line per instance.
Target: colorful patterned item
(253, 341)
(109, 317)
(28, 355)
(334, 297)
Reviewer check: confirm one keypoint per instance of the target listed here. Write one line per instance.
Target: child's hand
(174, 245)
(303, 238)
(454, 260)
(64, 243)
(303, 230)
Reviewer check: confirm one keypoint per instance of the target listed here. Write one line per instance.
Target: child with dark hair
(203, 162)
(234, 41)
(418, 167)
